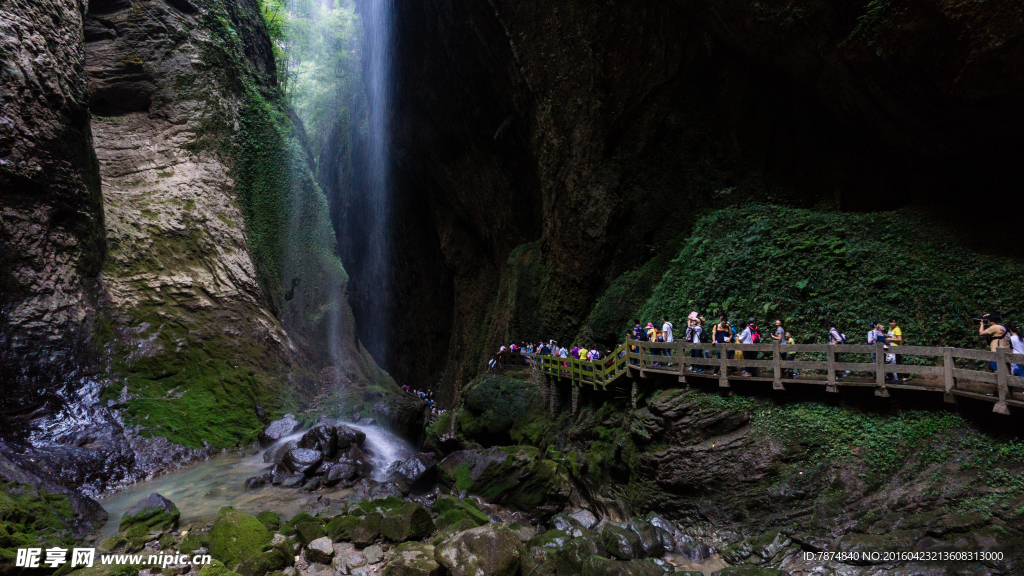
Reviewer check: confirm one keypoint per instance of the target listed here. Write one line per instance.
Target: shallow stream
(201, 490)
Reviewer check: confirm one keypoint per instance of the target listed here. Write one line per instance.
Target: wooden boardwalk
(950, 371)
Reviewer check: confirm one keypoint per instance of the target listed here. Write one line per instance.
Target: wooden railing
(952, 371)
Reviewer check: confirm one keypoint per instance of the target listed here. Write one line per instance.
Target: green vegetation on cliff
(805, 266)
(31, 517)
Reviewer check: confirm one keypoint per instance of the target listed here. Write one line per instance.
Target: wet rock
(413, 559)
(275, 454)
(620, 542)
(413, 469)
(389, 489)
(307, 532)
(279, 473)
(320, 550)
(490, 550)
(368, 530)
(303, 460)
(654, 541)
(236, 536)
(405, 416)
(154, 512)
(571, 557)
(293, 481)
(355, 457)
(552, 539)
(268, 561)
(321, 438)
(585, 517)
(598, 566)
(341, 473)
(347, 436)
(410, 522)
(570, 526)
(279, 429)
(255, 482)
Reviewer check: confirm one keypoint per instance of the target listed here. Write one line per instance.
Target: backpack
(755, 335)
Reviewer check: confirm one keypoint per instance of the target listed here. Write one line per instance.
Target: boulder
(368, 530)
(288, 528)
(410, 522)
(489, 550)
(570, 559)
(620, 542)
(598, 566)
(268, 561)
(303, 460)
(272, 520)
(654, 542)
(374, 554)
(412, 470)
(154, 512)
(347, 437)
(341, 473)
(321, 438)
(446, 504)
(413, 559)
(405, 416)
(585, 517)
(275, 454)
(279, 473)
(236, 536)
(307, 532)
(341, 527)
(255, 482)
(320, 550)
(570, 526)
(279, 429)
(355, 457)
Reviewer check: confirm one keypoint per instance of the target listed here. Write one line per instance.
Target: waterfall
(378, 23)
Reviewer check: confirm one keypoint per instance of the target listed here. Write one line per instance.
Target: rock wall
(51, 221)
(589, 135)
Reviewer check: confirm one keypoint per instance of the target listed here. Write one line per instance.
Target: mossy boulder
(368, 530)
(413, 559)
(216, 569)
(570, 558)
(620, 542)
(341, 527)
(236, 536)
(263, 563)
(193, 541)
(154, 512)
(380, 505)
(446, 532)
(489, 550)
(272, 520)
(410, 522)
(467, 508)
(306, 532)
(552, 539)
(288, 528)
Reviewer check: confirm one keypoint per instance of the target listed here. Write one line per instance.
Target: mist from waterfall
(335, 64)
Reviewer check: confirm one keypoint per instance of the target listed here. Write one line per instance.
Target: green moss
(31, 517)
(341, 527)
(288, 528)
(236, 537)
(272, 520)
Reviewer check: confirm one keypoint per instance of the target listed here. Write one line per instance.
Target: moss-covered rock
(217, 568)
(368, 530)
(490, 550)
(194, 540)
(236, 536)
(288, 528)
(154, 512)
(413, 559)
(272, 520)
(598, 566)
(341, 527)
(410, 522)
(306, 532)
(263, 563)
(449, 504)
(380, 505)
(446, 532)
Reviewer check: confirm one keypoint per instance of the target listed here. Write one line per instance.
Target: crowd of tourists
(996, 333)
(427, 397)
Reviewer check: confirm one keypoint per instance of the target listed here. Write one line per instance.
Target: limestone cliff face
(220, 301)
(51, 222)
(555, 145)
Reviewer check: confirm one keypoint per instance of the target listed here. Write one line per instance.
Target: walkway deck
(950, 371)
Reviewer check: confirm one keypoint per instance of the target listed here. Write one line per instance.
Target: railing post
(947, 375)
(1002, 378)
(777, 366)
(880, 389)
(830, 355)
(682, 352)
(723, 371)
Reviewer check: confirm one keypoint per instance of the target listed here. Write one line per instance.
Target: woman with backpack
(695, 335)
(836, 337)
(996, 335)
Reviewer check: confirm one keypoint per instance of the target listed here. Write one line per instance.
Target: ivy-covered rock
(413, 559)
(236, 536)
(490, 550)
(410, 522)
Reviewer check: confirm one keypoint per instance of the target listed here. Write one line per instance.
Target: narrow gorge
(277, 277)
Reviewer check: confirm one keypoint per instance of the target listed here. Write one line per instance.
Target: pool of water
(714, 563)
(202, 489)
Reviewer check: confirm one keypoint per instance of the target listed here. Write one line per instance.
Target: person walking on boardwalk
(875, 336)
(695, 335)
(836, 337)
(779, 335)
(747, 337)
(894, 338)
(792, 355)
(721, 334)
(995, 334)
(1017, 343)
